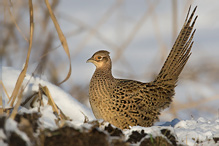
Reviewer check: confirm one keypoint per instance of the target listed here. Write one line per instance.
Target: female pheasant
(125, 103)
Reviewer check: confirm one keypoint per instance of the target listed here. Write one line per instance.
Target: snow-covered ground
(196, 100)
(187, 131)
(69, 105)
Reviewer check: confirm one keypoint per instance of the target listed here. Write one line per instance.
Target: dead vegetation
(19, 42)
(88, 135)
(68, 135)
(19, 88)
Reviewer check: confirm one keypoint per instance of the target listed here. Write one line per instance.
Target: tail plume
(179, 53)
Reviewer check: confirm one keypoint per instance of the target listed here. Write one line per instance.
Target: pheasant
(124, 102)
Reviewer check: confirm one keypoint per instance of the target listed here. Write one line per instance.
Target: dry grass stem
(28, 99)
(62, 39)
(23, 72)
(86, 119)
(40, 96)
(4, 89)
(51, 102)
(1, 106)
(14, 112)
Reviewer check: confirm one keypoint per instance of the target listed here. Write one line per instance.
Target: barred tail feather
(179, 53)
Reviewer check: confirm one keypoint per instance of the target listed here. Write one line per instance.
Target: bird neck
(104, 72)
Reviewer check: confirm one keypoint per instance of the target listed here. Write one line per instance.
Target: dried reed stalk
(1, 101)
(51, 102)
(23, 72)
(14, 112)
(4, 89)
(62, 39)
(1, 104)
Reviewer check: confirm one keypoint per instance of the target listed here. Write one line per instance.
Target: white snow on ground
(2, 136)
(188, 131)
(11, 125)
(69, 105)
(200, 129)
(154, 130)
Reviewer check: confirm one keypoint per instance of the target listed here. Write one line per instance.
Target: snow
(2, 137)
(200, 129)
(69, 105)
(154, 130)
(48, 117)
(2, 143)
(187, 131)
(11, 126)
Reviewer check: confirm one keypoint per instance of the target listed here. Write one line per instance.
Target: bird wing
(139, 102)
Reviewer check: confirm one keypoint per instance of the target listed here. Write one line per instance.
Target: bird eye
(99, 58)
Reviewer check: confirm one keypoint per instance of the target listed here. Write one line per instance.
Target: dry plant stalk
(14, 112)
(1, 104)
(1, 101)
(40, 96)
(86, 119)
(23, 72)
(4, 89)
(61, 37)
(28, 99)
(51, 102)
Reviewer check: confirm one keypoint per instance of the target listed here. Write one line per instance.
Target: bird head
(100, 58)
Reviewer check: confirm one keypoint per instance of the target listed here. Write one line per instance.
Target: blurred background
(139, 34)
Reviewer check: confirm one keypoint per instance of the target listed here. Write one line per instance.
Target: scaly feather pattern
(126, 103)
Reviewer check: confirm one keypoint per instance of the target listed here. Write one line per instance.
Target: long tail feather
(180, 52)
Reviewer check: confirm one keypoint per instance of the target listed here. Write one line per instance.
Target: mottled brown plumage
(126, 103)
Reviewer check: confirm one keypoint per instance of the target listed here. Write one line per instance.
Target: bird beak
(89, 60)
